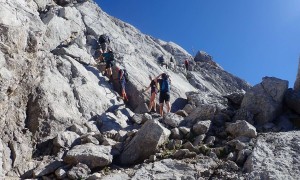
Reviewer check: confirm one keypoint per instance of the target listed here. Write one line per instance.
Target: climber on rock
(122, 73)
(109, 60)
(164, 95)
(154, 90)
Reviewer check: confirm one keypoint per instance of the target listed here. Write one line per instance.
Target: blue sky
(248, 38)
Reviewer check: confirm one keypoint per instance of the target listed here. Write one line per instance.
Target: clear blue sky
(248, 38)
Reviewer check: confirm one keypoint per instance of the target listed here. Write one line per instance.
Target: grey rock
(66, 139)
(241, 128)
(235, 98)
(181, 113)
(199, 140)
(245, 115)
(173, 169)
(264, 100)
(183, 153)
(210, 140)
(89, 154)
(175, 134)
(138, 118)
(172, 119)
(80, 130)
(61, 173)
(110, 122)
(184, 130)
(145, 142)
(116, 176)
(201, 113)
(242, 156)
(95, 176)
(80, 171)
(189, 108)
(201, 127)
(47, 167)
(188, 145)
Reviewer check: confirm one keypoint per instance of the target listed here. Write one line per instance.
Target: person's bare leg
(161, 109)
(154, 103)
(168, 106)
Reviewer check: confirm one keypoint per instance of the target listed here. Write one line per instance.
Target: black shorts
(164, 97)
(108, 65)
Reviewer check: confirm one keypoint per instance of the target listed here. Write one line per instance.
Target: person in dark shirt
(164, 82)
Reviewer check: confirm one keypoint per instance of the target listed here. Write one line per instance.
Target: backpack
(103, 38)
(165, 85)
(125, 74)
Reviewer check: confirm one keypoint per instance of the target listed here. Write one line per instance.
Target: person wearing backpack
(122, 76)
(104, 41)
(109, 60)
(154, 90)
(186, 63)
(162, 62)
(164, 82)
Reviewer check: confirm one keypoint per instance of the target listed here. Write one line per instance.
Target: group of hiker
(107, 56)
(158, 85)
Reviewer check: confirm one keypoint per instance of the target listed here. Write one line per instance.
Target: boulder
(145, 143)
(201, 113)
(110, 121)
(66, 139)
(265, 100)
(172, 119)
(201, 127)
(241, 128)
(47, 167)
(89, 154)
(80, 171)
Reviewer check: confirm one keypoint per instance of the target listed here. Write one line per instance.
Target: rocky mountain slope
(62, 119)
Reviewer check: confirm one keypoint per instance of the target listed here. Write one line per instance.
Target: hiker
(104, 41)
(162, 62)
(109, 60)
(172, 64)
(186, 63)
(153, 92)
(164, 95)
(122, 73)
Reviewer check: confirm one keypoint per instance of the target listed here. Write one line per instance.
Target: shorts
(108, 65)
(164, 97)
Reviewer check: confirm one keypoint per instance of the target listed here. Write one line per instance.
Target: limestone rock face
(265, 100)
(275, 156)
(145, 142)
